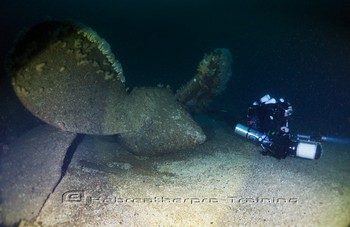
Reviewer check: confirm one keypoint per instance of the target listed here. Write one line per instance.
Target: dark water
(299, 50)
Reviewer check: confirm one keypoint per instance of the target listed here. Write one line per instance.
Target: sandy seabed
(224, 182)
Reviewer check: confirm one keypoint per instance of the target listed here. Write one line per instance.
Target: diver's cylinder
(306, 149)
(249, 133)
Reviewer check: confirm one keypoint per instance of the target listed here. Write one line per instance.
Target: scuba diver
(267, 122)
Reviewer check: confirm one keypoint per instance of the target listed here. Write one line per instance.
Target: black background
(298, 50)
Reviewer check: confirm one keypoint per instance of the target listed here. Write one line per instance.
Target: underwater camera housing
(301, 147)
